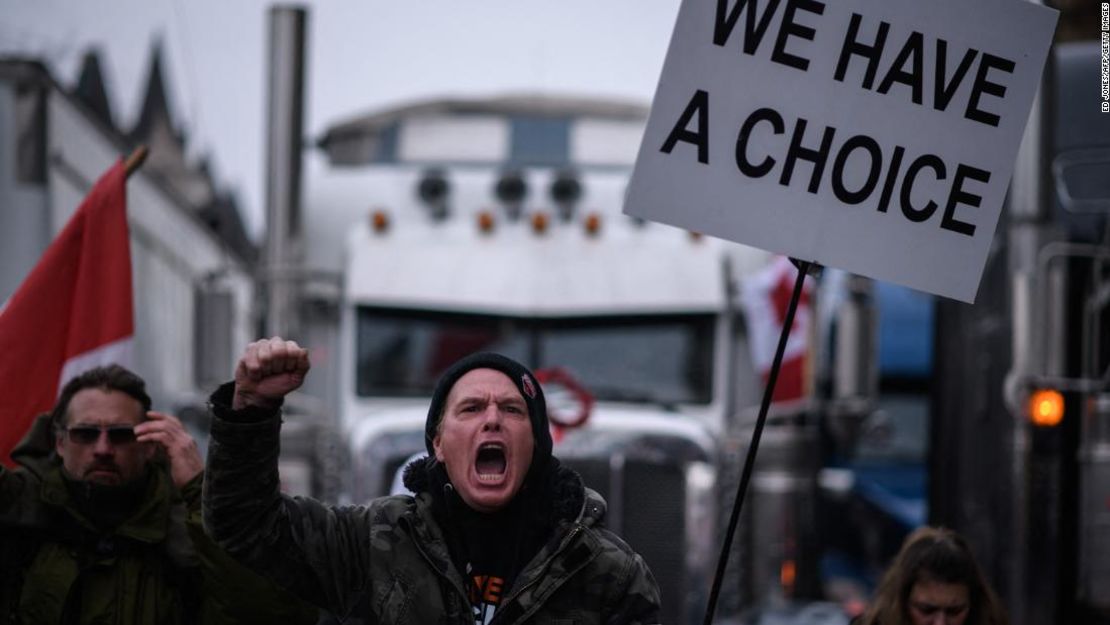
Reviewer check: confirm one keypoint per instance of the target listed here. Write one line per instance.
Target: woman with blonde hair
(934, 580)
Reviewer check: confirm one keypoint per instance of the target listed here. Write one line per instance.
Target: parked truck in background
(1020, 454)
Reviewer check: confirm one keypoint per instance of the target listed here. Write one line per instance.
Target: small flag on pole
(73, 312)
(765, 298)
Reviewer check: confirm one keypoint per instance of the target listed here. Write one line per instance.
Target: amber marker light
(592, 224)
(788, 574)
(486, 222)
(1046, 408)
(539, 223)
(379, 220)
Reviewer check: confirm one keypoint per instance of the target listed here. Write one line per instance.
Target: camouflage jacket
(388, 561)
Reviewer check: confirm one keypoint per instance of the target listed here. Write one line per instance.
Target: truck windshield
(644, 358)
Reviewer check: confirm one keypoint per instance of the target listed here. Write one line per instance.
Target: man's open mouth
(490, 464)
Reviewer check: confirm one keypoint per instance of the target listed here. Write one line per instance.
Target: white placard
(877, 136)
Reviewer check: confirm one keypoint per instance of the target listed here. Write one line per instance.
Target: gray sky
(362, 55)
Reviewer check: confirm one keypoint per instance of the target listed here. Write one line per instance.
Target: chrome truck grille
(647, 509)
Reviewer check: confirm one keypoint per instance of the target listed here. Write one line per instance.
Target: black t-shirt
(488, 547)
(486, 588)
(491, 549)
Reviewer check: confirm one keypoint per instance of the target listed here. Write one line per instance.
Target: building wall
(174, 258)
(24, 222)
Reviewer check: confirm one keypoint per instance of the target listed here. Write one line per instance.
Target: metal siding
(24, 224)
(212, 341)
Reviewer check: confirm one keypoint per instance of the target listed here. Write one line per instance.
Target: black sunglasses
(89, 434)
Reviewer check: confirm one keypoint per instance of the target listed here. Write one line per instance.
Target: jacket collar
(149, 522)
(35, 451)
(570, 547)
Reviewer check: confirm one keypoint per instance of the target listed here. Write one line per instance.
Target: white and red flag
(73, 311)
(766, 297)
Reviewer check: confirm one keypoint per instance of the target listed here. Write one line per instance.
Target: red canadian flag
(765, 297)
(73, 312)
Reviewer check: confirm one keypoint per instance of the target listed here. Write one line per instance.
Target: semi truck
(1020, 452)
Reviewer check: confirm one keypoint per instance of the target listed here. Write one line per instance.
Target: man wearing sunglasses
(101, 522)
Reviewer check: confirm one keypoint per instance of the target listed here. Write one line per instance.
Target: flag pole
(135, 160)
(749, 461)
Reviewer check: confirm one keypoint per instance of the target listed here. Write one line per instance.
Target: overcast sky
(362, 55)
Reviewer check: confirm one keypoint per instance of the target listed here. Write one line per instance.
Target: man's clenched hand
(269, 370)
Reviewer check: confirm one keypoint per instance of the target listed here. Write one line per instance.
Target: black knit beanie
(525, 383)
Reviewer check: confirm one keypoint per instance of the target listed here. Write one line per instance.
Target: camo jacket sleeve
(318, 552)
(639, 601)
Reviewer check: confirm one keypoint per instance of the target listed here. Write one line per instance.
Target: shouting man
(498, 530)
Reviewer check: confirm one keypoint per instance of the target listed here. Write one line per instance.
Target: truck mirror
(1082, 185)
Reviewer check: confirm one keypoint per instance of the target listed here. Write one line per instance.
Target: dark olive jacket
(388, 562)
(157, 566)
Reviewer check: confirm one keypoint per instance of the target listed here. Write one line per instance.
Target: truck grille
(647, 503)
